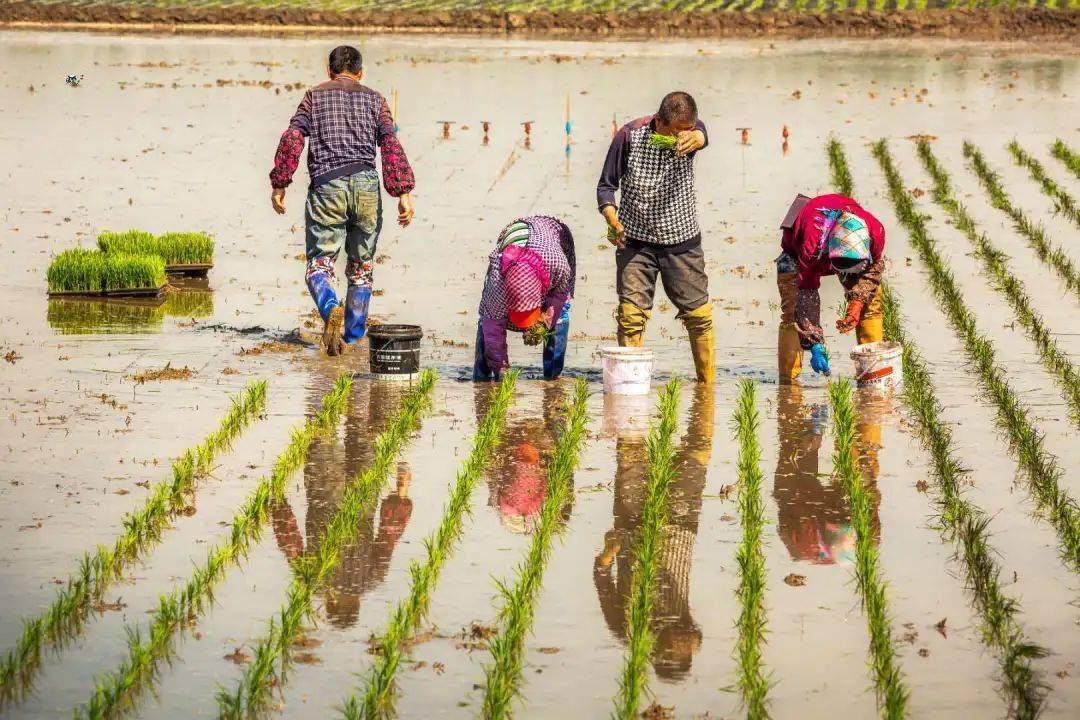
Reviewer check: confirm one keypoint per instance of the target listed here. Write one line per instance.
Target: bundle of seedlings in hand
(114, 694)
(1037, 464)
(406, 618)
(965, 523)
(1035, 234)
(175, 248)
(1063, 201)
(664, 142)
(89, 271)
(889, 688)
(65, 616)
(1066, 155)
(516, 616)
(311, 571)
(752, 681)
(660, 449)
(538, 334)
(995, 264)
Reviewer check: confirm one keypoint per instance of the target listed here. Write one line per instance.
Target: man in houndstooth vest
(655, 228)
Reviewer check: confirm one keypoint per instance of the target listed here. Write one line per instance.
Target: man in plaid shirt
(345, 122)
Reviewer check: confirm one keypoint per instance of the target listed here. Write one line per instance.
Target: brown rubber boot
(630, 323)
(699, 326)
(331, 335)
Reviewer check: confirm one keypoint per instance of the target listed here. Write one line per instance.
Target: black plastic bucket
(395, 350)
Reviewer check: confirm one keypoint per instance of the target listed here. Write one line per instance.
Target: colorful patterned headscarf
(848, 243)
(525, 279)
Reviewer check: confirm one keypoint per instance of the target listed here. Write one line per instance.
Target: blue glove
(819, 359)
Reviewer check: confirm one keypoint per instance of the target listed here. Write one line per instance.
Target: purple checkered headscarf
(525, 279)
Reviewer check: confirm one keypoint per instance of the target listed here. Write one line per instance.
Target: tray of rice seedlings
(184, 253)
(89, 273)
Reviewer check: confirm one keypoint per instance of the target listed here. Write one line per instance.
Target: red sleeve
(286, 158)
(398, 178)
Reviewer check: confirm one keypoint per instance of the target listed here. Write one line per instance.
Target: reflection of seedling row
(88, 271)
(175, 248)
(892, 694)
(409, 613)
(504, 674)
(994, 262)
(753, 683)
(1038, 465)
(65, 617)
(115, 693)
(312, 571)
(648, 547)
(968, 525)
(1035, 234)
(1062, 199)
(1068, 158)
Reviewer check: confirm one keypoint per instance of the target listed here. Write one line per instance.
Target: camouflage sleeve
(863, 289)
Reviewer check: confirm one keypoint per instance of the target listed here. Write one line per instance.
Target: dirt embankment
(1026, 23)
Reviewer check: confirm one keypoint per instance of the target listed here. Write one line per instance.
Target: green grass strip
(378, 696)
(516, 617)
(753, 683)
(90, 271)
(892, 694)
(1063, 201)
(115, 694)
(1068, 158)
(1056, 361)
(660, 449)
(65, 617)
(1036, 464)
(175, 248)
(270, 658)
(964, 522)
(1052, 255)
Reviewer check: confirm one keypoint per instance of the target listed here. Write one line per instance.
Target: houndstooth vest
(659, 202)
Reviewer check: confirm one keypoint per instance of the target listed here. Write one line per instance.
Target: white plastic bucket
(627, 370)
(878, 364)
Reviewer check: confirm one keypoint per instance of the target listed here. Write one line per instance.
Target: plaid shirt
(345, 122)
(552, 241)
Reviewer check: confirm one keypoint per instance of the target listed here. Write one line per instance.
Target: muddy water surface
(178, 134)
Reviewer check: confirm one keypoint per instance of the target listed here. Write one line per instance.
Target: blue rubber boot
(357, 299)
(321, 287)
(555, 349)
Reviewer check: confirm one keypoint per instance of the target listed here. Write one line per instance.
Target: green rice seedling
(660, 450)
(1037, 465)
(1064, 202)
(892, 694)
(175, 248)
(841, 175)
(967, 525)
(378, 697)
(65, 617)
(116, 693)
(752, 681)
(1035, 235)
(664, 142)
(311, 572)
(87, 271)
(503, 674)
(995, 264)
(1068, 158)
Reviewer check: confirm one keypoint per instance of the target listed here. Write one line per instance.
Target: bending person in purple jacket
(529, 285)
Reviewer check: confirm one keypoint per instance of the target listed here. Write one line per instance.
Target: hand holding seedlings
(277, 200)
(851, 318)
(689, 141)
(616, 234)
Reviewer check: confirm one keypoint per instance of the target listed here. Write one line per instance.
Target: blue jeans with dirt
(346, 211)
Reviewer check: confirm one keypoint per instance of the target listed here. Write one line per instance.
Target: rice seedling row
(1067, 156)
(88, 272)
(752, 681)
(65, 617)
(648, 546)
(966, 524)
(1063, 201)
(270, 657)
(1036, 464)
(115, 693)
(378, 697)
(889, 687)
(181, 251)
(1035, 234)
(503, 675)
(995, 264)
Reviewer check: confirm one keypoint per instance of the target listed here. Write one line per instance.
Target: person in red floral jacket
(344, 122)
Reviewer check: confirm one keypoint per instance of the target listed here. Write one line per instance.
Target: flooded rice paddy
(174, 133)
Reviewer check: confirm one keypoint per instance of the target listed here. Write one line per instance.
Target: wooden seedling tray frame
(189, 269)
(124, 293)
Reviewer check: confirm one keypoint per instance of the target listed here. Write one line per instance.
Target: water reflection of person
(678, 635)
(517, 476)
(813, 516)
(362, 563)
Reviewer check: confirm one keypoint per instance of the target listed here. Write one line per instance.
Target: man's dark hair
(677, 106)
(346, 58)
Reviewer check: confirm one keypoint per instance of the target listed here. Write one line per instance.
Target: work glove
(854, 312)
(819, 359)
